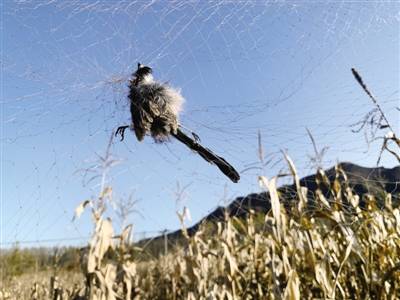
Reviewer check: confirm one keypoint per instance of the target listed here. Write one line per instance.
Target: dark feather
(208, 155)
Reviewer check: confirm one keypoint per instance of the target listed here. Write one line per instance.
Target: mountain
(362, 180)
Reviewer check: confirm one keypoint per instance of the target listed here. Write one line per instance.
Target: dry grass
(336, 250)
(42, 285)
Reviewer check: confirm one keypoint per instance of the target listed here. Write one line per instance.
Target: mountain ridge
(361, 179)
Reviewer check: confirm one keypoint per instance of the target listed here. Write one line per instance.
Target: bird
(155, 109)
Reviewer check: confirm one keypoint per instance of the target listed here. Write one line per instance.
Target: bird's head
(142, 75)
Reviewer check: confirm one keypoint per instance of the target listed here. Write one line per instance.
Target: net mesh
(248, 69)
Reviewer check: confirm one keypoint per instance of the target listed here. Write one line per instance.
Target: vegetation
(332, 250)
(16, 261)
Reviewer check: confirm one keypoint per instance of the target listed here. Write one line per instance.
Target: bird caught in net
(155, 109)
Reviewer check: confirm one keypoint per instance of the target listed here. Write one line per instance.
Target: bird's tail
(208, 155)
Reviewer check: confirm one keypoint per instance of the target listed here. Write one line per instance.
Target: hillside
(362, 180)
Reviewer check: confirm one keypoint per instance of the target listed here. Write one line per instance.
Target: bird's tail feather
(208, 155)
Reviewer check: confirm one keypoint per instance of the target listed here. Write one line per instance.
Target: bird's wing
(140, 112)
(152, 112)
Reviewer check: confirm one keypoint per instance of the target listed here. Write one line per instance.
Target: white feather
(175, 99)
(172, 95)
(147, 79)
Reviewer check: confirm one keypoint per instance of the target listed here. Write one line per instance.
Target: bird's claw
(121, 131)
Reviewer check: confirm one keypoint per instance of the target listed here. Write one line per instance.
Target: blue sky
(243, 67)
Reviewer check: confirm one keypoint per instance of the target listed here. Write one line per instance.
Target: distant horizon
(145, 234)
